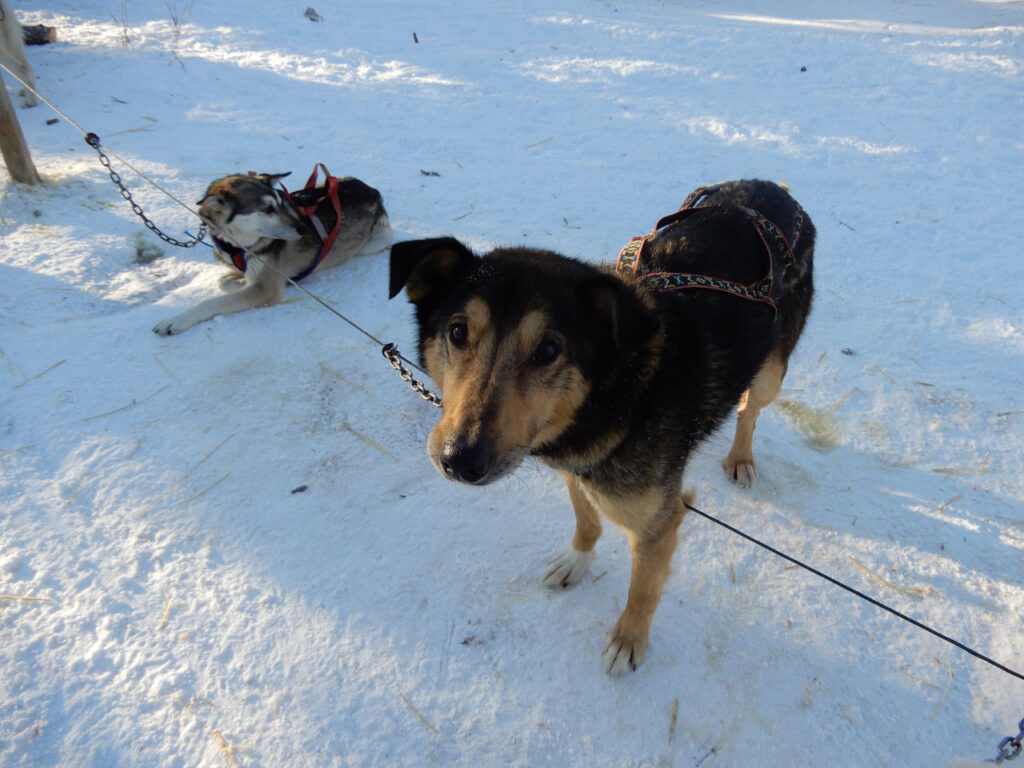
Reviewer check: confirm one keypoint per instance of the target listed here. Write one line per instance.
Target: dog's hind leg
(569, 566)
(739, 464)
(652, 556)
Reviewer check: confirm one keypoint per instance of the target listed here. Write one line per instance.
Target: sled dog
(613, 375)
(266, 236)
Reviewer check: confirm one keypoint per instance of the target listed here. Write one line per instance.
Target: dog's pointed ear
(428, 267)
(271, 179)
(617, 312)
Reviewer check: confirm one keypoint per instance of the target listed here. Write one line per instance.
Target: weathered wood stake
(12, 143)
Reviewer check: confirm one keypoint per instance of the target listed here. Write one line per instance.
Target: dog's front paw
(567, 568)
(742, 473)
(172, 325)
(625, 650)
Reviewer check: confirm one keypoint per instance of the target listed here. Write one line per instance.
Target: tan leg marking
(569, 566)
(652, 556)
(739, 464)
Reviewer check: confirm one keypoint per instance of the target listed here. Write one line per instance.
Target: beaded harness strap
(778, 250)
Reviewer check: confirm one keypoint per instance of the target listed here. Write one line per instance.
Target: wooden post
(12, 143)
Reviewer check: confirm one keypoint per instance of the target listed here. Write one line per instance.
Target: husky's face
(245, 209)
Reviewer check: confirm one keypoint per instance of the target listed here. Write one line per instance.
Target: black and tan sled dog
(612, 376)
(266, 236)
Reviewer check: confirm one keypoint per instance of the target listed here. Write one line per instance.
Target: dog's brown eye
(545, 354)
(458, 333)
(268, 210)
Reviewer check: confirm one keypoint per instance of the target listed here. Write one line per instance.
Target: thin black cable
(858, 593)
(331, 309)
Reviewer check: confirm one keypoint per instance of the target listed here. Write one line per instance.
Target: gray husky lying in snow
(266, 236)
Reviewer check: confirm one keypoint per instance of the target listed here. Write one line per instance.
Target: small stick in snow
(954, 500)
(39, 375)
(911, 462)
(352, 384)
(228, 750)
(832, 408)
(132, 404)
(201, 493)
(13, 451)
(982, 470)
(166, 370)
(10, 365)
(538, 143)
(672, 723)
(881, 371)
(167, 613)
(184, 477)
(1004, 414)
(912, 591)
(945, 693)
(417, 713)
(369, 441)
(917, 679)
(22, 599)
(81, 483)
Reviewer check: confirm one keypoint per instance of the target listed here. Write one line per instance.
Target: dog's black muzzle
(470, 463)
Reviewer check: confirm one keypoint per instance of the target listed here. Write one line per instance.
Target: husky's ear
(271, 179)
(428, 267)
(617, 313)
(212, 200)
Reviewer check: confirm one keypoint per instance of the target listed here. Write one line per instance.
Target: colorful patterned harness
(307, 211)
(779, 252)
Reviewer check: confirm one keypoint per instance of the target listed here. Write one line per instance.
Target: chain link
(390, 351)
(1010, 747)
(94, 141)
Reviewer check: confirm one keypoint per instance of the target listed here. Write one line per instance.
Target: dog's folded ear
(428, 267)
(617, 312)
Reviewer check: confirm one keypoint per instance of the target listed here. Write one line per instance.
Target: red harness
(777, 248)
(308, 211)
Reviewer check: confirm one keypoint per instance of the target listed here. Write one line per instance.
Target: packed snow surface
(229, 548)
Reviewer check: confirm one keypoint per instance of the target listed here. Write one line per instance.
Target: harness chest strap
(309, 211)
(233, 252)
(237, 255)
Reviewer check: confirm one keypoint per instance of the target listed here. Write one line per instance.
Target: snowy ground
(166, 599)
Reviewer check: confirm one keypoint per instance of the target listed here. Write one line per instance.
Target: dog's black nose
(466, 463)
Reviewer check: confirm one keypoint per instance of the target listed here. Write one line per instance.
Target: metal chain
(1010, 747)
(94, 141)
(390, 351)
